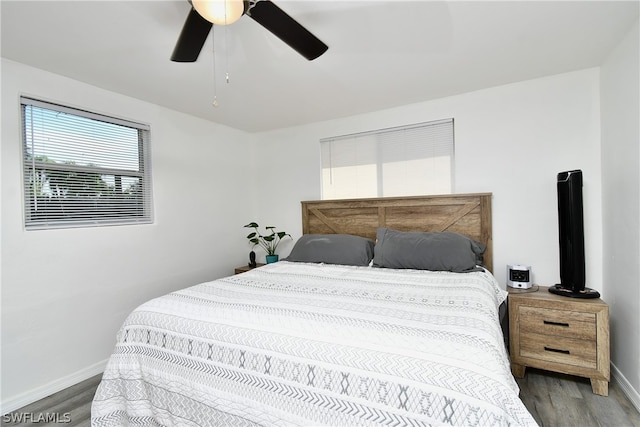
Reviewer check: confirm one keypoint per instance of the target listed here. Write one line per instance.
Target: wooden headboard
(468, 214)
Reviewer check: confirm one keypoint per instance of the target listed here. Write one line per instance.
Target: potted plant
(269, 242)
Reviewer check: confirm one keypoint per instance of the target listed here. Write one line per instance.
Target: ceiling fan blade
(194, 34)
(274, 19)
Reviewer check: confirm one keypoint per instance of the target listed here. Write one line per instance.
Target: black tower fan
(571, 238)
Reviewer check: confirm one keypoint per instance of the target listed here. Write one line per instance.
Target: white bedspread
(308, 344)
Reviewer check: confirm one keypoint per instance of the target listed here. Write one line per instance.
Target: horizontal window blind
(408, 160)
(82, 168)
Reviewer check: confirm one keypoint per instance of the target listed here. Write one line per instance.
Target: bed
(343, 332)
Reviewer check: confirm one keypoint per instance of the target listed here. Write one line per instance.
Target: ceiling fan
(196, 28)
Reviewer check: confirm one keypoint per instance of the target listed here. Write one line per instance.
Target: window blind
(82, 168)
(401, 161)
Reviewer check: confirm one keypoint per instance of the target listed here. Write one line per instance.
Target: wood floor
(69, 407)
(563, 400)
(554, 400)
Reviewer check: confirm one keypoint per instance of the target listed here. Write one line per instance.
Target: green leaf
(268, 238)
(252, 235)
(252, 225)
(271, 227)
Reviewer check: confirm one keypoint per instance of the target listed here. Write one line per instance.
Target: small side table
(246, 268)
(560, 334)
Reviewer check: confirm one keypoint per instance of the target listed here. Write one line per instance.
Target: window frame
(120, 209)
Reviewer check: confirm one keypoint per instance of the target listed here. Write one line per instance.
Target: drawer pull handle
(549, 322)
(555, 350)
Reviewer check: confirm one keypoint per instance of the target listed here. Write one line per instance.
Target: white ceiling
(381, 53)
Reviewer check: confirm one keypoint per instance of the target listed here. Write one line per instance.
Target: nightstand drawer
(562, 323)
(559, 350)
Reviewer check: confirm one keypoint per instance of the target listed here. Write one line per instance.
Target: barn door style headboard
(468, 214)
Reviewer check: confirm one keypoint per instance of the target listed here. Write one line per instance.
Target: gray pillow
(344, 249)
(436, 251)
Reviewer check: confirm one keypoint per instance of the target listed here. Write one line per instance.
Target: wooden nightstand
(246, 268)
(560, 334)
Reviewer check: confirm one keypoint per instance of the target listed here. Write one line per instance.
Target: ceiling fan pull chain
(226, 52)
(215, 87)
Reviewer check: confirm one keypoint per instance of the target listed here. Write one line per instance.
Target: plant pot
(272, 258)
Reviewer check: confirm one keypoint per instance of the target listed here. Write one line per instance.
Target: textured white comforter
(309, 344)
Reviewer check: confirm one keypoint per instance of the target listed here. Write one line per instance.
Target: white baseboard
(626, 387)
(21, 400)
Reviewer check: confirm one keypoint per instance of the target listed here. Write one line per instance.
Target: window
(83, 169)
(400, 161)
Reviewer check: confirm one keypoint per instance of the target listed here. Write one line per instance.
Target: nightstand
(246, 268)
(560, 334)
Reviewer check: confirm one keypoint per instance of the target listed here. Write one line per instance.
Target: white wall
(65, 293)
(510, 140)
(621, 206)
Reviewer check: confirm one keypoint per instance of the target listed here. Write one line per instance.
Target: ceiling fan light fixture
(199, 23)
(219, 12)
